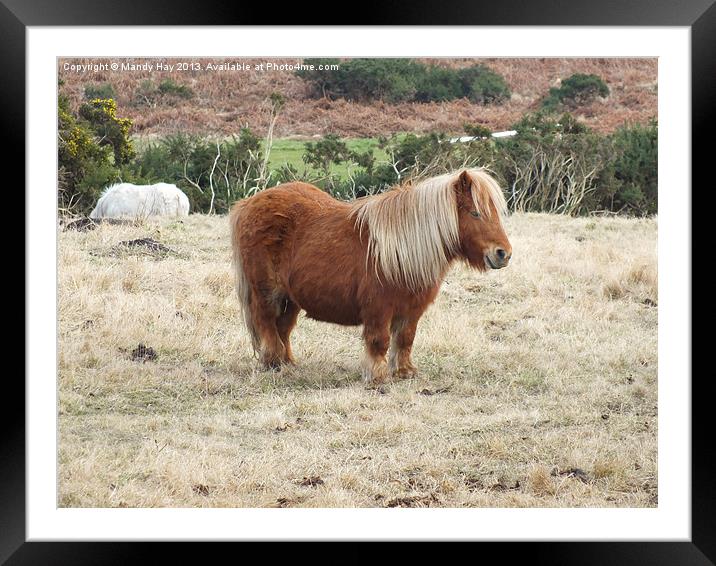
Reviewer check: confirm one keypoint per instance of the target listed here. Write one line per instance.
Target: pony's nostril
(501, 254)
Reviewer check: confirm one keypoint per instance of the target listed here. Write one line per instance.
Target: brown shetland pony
(378, 261)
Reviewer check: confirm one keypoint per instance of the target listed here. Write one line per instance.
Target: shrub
(477, 130)
(560, 165)
(92, 148)
(392, 80)
(402, 80)
(409, 156)
(321, 83)
(632, 175)
(437, 84)
(212, 184)
(365, 182)
(576, 90)
(101, 115)
(418, 152)
(286, 173)
(166, 92)
(327, 152)
(324, 155)
(555, 164)
(102, 90)
(482, 84)
(170, 88)
(551, 165)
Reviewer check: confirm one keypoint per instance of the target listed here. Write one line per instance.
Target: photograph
(357, 282)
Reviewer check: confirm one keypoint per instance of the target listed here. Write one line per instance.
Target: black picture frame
(698, 15)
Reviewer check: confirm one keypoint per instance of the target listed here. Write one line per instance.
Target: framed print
(216, 194)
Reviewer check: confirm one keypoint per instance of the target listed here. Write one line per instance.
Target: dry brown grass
(226, 101)
(537, 388)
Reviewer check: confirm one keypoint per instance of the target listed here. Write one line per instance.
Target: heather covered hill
(220, 102)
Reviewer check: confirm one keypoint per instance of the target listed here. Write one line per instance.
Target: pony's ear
(463, 183)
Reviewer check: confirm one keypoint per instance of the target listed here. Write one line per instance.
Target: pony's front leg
(402, 334)
(377, 339)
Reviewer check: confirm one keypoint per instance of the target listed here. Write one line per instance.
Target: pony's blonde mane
(413, 230)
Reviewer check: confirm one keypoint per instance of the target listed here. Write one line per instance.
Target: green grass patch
(288, 151)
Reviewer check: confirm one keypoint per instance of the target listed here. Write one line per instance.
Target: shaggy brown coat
(378, 262)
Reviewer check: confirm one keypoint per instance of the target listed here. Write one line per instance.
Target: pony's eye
(475, 214)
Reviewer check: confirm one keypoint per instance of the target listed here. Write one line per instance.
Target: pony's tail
(243, 289)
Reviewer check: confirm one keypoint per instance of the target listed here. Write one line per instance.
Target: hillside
(224, 101)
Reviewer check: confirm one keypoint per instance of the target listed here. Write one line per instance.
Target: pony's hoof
(405, 373)
(376, 375)
(374, 383)
(273, 365)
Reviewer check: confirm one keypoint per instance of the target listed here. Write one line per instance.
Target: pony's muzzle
(498, 258)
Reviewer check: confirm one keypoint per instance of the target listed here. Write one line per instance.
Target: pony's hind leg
(284, 324)
(402, 334)
(265, 313)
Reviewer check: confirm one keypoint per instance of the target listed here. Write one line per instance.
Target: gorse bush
(392, 80)
(576, 90)
(93, 151)
(436, 84)
(631, 178)
(477, 130)
(482, 84)
(402, 80)
(581, 88)
(322, 83)
(101, 115)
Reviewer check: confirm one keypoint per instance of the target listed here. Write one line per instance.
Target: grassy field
(537, 384)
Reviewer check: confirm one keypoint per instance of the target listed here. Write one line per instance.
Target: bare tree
(211, 177)
(555, 182)
(276, 102)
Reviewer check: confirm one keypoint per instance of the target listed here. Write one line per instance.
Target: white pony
(126, 200)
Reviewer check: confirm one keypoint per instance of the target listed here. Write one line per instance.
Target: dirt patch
(577, 473)
(143, 353)
(148, 247)
(311, 481)
(81, 225)
(429, 392)
(201, 489)
(478, 484)
(147, 243)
